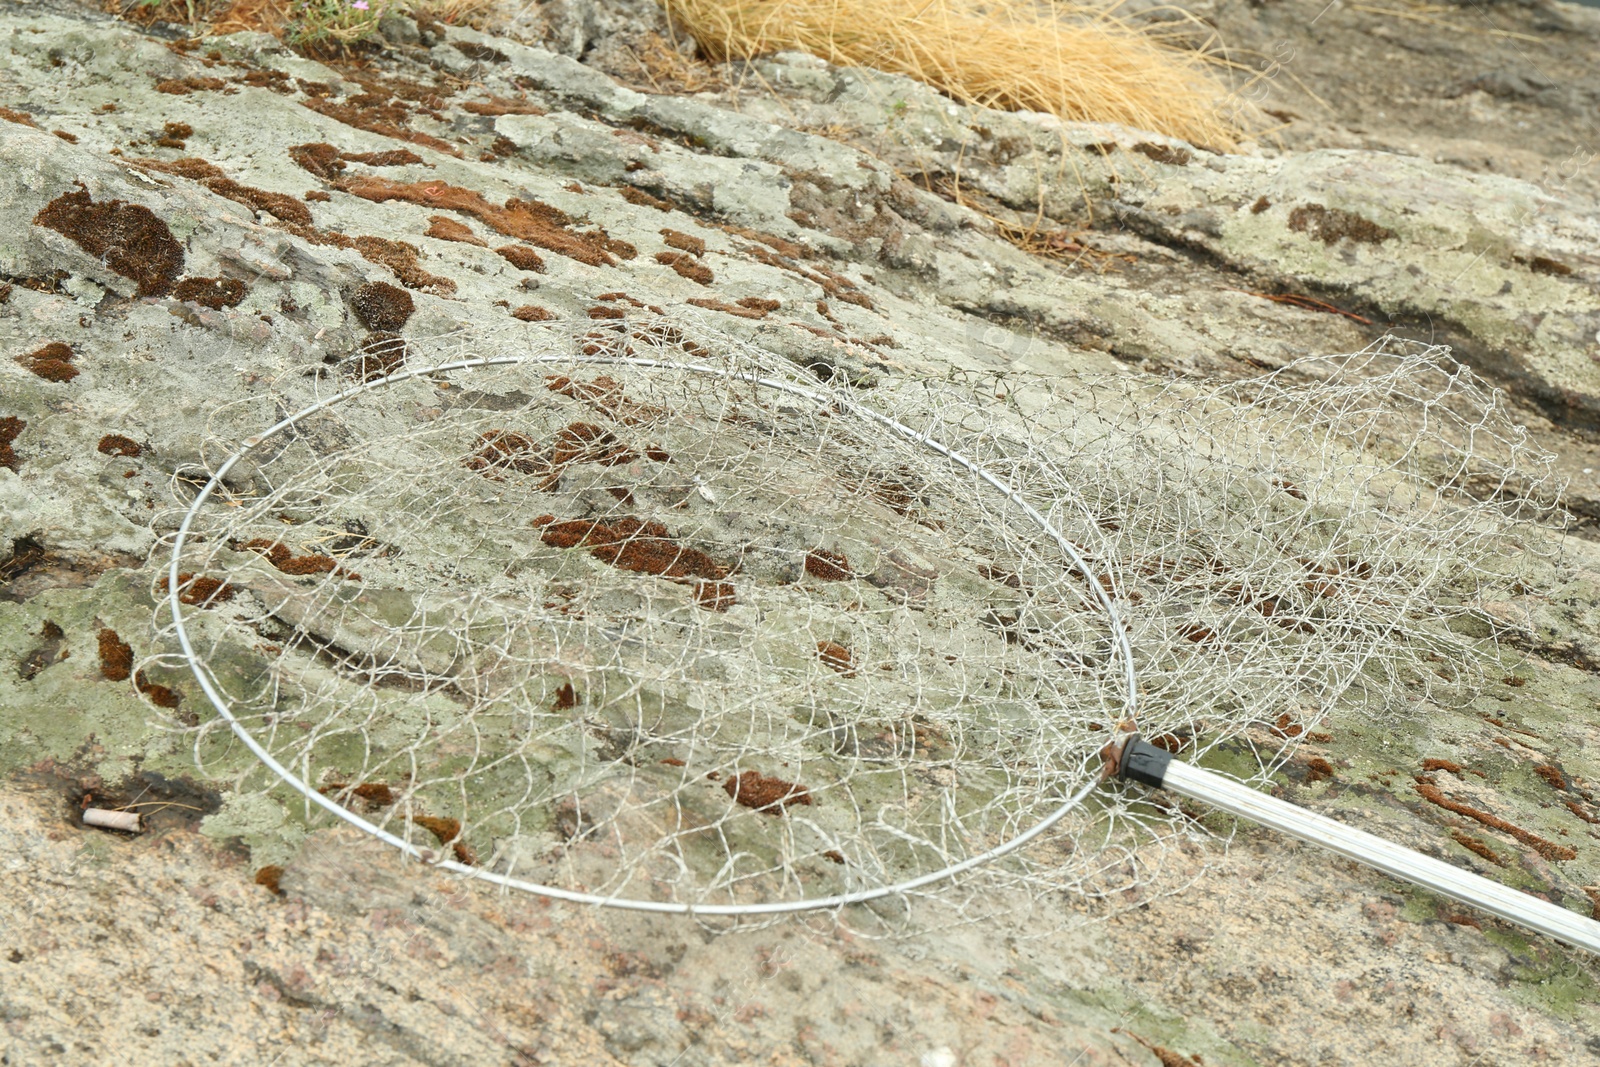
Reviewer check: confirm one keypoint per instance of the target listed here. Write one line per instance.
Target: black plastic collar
(1142, 762)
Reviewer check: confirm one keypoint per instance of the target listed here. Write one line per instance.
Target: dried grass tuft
(1078, 63)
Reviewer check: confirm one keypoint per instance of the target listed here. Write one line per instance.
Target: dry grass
(325, 27)
(1074, 62)
(268, 16)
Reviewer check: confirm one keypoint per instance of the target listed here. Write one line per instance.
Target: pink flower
(360, 5)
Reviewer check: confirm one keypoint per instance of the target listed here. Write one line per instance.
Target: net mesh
(650, 615)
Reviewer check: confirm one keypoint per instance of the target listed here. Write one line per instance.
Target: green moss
(1548, 977)
(1175, 1032)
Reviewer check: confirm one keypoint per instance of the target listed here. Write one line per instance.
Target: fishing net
(628, 614)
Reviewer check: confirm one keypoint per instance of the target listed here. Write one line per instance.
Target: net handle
(825, 399)
(1139, 761)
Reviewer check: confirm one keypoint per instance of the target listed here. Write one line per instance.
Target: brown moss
(1548, 849)
(532, 313)
(279, 205)
(481, 53)
(320, 158)
(607, 313)
(1507, 726)
(1578, 810)
(828, 566)
(312, 564)
(447, 832)
(381, 306)
(199, 590)
(1172, 157)
(1441, 765)
(70, 138)
(770, 796)
(1173, 743)
(643, 199)
(1167, 1057)
(185, 86)
(275, 80)
(10, 428)
(214, 293)
(836, 657)
(279, 555)
(399, 256)
(444, 229)
(1552, 777)
(403, 259)
(566, 697)
(115, 444)
(1318, 769)
(777, 244)
(646, 547)
(1544, 265)
(128, 238)
(1330, 225)
(578, 442)
(173, 134)
(686, 265)
(584, 442)
(380, 355)
(396, 157)
(522, 257)
(191, 167)
(500, 105)
(604, 342)
(378, 794)
(159, 695)
(684, 242)
(116, 656)
(603, 394)
(525, 220)
(386, 117)
(743, 310)
(52, 362)
(21, 118)
(1478, 846)
(505, 450)
(275, 551)
(1260, 205)
(270, 878)
(715, 596)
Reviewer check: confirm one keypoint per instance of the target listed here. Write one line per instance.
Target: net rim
(223, 707)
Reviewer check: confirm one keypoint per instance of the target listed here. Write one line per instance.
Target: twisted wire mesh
(674, 635)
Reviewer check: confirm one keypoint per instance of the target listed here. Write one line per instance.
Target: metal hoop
(220, 702)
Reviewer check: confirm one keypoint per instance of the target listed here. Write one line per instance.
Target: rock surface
(191, 223)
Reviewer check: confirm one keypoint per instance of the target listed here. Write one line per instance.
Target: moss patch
(1331, 225)
(381, 306)
(128, 238)
(52, 362)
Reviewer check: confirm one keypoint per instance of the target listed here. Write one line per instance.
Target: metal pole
(1141, 762)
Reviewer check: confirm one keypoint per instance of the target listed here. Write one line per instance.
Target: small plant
(333, 22)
